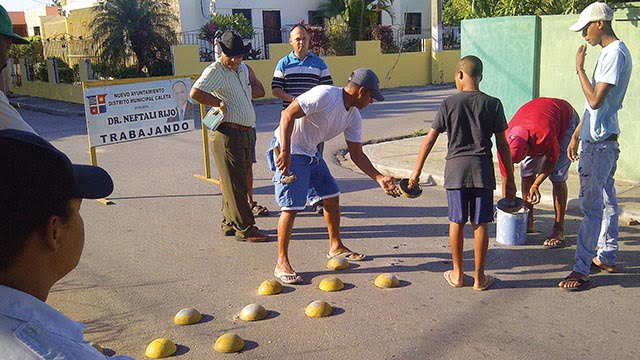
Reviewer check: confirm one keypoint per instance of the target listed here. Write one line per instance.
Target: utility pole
(436, 25)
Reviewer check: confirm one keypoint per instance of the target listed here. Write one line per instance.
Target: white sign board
(126, 112)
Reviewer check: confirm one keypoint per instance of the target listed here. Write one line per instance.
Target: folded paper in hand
(213, 118)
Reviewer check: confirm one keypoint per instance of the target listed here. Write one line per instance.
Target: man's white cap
(594, 12)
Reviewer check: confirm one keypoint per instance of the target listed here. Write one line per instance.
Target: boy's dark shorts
(473, 204)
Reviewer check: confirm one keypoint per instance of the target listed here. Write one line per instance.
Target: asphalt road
(159, 249)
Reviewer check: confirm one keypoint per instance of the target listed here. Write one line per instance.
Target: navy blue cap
(367, 78)
(31, 165)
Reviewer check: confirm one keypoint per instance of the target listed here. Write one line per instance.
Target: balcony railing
(408, 39)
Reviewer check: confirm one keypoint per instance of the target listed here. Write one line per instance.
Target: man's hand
(414, 180)
(283, 161)
(580, 56)
(386, 183)
(572, 150)
(222, 108)
(534, 195)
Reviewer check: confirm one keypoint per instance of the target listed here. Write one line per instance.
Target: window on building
(413, 23)
(245, 12)
(36, 30)
(315, 19)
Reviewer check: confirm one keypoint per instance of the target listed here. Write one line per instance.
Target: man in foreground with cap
(318, 115)
(9, 116)
(231, 85)
(538, 136)
(598, 133)
(41, 240)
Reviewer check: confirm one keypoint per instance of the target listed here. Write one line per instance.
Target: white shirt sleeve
(609, 68)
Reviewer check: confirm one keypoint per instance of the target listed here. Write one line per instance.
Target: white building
(271, 19)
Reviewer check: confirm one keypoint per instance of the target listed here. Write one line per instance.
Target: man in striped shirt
(296, 73)
(231, 85)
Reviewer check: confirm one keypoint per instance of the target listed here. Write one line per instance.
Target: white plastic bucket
(511, 229)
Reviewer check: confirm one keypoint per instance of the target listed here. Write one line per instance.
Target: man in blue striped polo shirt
(296, 73)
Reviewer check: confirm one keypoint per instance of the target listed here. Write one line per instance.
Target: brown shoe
(252, 235)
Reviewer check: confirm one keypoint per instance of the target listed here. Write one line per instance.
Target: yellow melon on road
(318, 309)
(253, 312)
(331, 283)
(385, 281)
(187, 316)
(228, 343)
(338, 263)
(270, 287)
(160, 348)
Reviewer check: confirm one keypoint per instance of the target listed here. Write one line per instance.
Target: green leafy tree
(360, 15)
(454, 11)
(218, 24)
(144, 28)
(340, 41)
(32, 51)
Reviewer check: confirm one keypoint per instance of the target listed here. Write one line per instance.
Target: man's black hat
(232, 44)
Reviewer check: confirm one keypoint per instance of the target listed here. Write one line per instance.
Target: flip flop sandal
(558, 244)
(259, 210)
(288, 278)
(582, 284)
(489, 280)
(346, 254)
(447, 276)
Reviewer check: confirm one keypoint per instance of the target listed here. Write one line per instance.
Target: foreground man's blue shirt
(31, 329)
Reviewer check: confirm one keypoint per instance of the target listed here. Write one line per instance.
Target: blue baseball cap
(367, 78)
(31, 167)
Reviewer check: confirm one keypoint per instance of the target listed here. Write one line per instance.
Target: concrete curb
(18, 104)
(396, 158)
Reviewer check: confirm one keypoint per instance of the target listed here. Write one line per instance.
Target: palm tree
(142, 27)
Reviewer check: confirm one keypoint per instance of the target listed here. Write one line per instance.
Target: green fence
(529, 56)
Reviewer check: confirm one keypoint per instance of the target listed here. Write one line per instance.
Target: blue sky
(20, 5)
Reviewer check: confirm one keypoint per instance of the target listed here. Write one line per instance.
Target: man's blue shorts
(309, 172)
(473, 204)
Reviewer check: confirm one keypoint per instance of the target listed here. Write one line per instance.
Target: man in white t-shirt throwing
(318, 115)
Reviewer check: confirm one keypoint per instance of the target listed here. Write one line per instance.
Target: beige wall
(406, 69)
(52, 25)
(78, 22)
(63, 92)
(443, 65)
